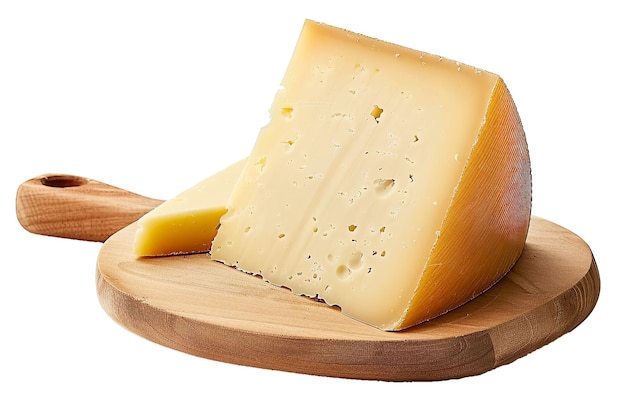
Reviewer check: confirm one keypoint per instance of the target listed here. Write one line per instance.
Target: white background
(152, 96)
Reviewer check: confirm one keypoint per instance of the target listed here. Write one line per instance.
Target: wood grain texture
(201, 307)
(69, 206)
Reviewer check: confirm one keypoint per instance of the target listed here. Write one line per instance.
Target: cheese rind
(188, 222)
(390, 182)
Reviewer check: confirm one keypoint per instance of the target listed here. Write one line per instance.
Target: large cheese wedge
(389, 182)
(188, 222)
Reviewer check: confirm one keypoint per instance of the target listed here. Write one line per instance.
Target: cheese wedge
(187, 223)
(389, 182)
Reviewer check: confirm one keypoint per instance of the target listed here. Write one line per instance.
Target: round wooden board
(201, 307)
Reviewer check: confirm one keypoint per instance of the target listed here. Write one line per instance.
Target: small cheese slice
(392, 183)
(188, 222)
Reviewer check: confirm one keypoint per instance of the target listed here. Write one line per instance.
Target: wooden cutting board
(201, 307)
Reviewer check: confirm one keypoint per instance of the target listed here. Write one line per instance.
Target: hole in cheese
(343, 271)
(376, 112)
(287, 112)
(384, 186)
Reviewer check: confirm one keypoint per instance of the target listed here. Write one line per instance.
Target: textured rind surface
(485, 229)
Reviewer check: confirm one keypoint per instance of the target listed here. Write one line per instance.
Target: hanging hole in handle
(63, 180)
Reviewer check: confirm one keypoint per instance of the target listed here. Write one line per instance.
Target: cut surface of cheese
(188, 222)
(392, 183)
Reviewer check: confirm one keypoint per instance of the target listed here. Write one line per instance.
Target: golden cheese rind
(485, 229)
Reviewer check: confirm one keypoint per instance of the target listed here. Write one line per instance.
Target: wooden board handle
(68, 206)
